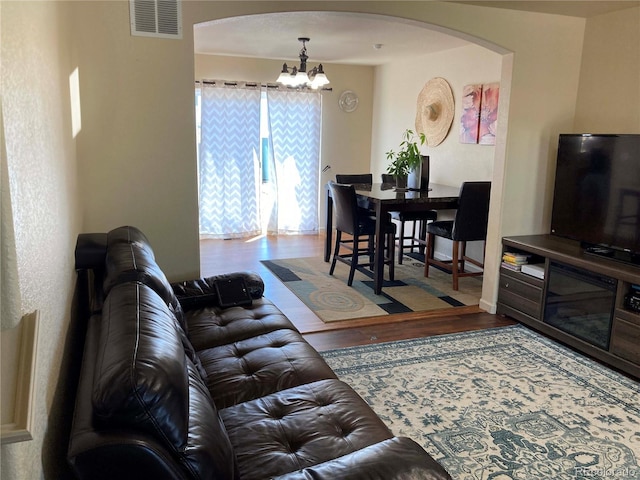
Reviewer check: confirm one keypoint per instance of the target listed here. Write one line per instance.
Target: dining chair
(351, 220)
(469, 224)
(419, 220)
(357, 179)
(354, 178)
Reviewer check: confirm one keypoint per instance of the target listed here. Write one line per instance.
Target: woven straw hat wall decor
(434, 114)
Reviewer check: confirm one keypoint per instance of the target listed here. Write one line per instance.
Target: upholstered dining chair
(357, 179)
(419, 221)
(361, 227)
(354, 178)
(469, 224)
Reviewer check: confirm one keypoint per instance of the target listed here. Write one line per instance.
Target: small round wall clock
(348, 101)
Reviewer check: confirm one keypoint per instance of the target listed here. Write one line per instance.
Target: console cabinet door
(625, 340)
(521, 292)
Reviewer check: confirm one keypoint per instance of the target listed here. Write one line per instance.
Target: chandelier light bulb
(285, 76)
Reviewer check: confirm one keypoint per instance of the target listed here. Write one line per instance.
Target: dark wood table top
(387, 193)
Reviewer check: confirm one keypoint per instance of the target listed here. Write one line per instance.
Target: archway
(499, 151)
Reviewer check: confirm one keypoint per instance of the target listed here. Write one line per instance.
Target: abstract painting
(470, 118)
(489, 114)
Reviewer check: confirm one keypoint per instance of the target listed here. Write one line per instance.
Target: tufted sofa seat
(173, 386)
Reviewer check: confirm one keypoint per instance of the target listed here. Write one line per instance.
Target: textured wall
(609, 93)
(36, 64)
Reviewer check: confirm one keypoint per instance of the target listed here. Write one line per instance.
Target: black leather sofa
(172, 386)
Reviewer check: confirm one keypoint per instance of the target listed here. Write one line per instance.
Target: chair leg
(391, 255)
(413, 243)
(400, 243)
(428, 253)
(336, 251)
(463, 256)
(371, 245)
(455, 263)
(423, 236)
(354, 260)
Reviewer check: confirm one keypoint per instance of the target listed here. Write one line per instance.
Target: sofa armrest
(201, 293)
(125, 456)
(398, 458)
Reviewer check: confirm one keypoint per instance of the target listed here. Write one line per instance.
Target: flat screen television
(596, 197)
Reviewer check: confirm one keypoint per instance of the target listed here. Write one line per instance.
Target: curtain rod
(255, 85)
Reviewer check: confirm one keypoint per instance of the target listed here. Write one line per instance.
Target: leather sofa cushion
(126, 262)
(398, 458)
(300, 427)
(129, 235)
(261, 365)
(144, 381)
(134, 262)
(213, 326)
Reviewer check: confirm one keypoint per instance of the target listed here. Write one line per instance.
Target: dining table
(383, 198)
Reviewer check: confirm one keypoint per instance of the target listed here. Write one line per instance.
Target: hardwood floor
(223, 256)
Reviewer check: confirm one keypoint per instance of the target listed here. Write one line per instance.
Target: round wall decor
(348, 101)
(434, 114)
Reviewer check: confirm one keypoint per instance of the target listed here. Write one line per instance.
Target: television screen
(597, 190)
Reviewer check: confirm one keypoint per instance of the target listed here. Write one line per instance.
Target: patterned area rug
(503, 403)
(332, 300)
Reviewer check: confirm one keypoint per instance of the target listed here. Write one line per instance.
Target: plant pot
(401, 181)
(414, 178)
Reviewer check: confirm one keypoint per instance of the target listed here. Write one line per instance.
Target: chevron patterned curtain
(294, 125)
(229, 161)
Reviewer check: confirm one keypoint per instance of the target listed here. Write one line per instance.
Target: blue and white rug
(503, 403)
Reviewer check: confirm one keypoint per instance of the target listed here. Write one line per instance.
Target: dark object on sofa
(173, 386)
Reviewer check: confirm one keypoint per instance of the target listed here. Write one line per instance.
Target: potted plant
(407, 159)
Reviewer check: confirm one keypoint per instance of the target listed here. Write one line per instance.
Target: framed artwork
(489, 114)
(470, 118)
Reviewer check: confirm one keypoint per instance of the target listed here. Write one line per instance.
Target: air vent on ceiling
(156, 18)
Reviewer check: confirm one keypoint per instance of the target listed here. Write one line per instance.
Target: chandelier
(298, 76)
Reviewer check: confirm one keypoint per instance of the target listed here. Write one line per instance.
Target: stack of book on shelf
(519, 262)
(514, 261)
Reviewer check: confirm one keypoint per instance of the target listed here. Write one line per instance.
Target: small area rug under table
(502, 403)
(329, 297)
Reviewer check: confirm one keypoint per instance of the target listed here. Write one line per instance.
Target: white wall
(609, 92)
(137, 147)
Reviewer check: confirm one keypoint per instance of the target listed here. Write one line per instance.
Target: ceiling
(357, 39)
